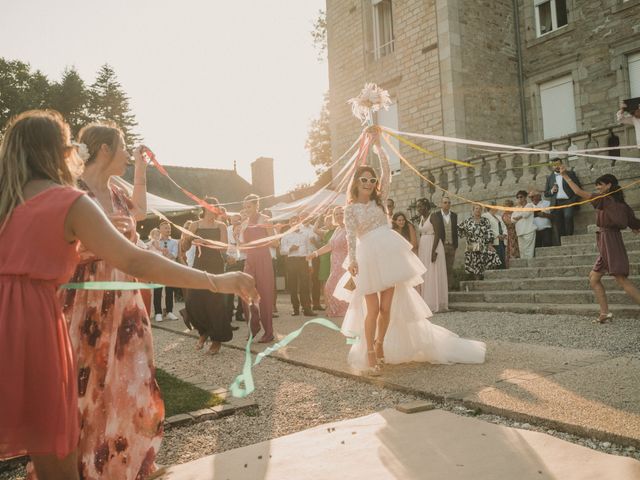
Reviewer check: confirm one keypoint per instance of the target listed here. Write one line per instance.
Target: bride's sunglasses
(371, 180)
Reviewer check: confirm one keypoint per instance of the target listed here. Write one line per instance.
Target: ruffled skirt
(385, 260)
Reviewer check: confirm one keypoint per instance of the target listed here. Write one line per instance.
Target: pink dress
(339, 251)
(435, 290)
(121, 409)
(259, 265)
(38, 388)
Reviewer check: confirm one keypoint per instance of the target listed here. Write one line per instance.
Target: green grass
(182, 397)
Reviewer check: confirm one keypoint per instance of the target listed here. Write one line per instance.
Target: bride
(384, 305)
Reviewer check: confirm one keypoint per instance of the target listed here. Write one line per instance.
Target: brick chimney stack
(262, 176)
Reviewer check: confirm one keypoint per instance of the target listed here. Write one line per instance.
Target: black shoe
(309, 313)
(235, 328)
(240, 319)
(295, 314)
(317, 307)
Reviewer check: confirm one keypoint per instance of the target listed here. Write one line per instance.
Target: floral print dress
(121, 409)
(478, 257)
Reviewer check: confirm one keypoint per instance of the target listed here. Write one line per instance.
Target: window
(382, 28)
(389, 118)
(558, 107)
(633, 61)
(550, 15)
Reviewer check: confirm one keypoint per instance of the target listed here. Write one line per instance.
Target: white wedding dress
(385, 260)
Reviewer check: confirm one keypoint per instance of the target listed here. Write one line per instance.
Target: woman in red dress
(613, 215)
(42, 218)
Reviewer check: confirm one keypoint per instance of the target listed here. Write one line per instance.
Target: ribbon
(503, 208)
(462, 141)
(246, 377)
(429, 152)
(110, 286)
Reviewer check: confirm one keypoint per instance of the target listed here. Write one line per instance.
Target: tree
(20, 89)
(319, 138)
(107, 101)
(71, 98)
(319, 35)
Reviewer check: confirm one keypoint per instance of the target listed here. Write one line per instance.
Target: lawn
(182, 397)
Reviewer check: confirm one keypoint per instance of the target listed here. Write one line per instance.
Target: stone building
(546, 73)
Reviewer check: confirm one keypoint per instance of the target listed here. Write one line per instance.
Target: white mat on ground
(393, 445)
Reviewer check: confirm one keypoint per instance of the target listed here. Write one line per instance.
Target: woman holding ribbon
(42, 219)
(337, 247)
(385, 310)
(207, 311)
(613, 214)
(259, 265)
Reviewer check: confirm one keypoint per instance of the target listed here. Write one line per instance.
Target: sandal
(377, 348)
(604, 318)
(373, 371)
(214, 348)
(201, 342)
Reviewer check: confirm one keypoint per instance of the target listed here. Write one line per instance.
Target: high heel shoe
(604, 318)
(377, 346)
(375, 370)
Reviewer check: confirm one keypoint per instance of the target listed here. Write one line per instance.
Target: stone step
(549, 283)
(563, 261)
(545, 272)
(627, 236)
(581, 249)
(562, 297)
(620, 311)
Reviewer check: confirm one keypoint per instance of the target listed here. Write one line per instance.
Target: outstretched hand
(237, 283)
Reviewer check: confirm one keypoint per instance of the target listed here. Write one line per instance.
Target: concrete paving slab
(394, 445)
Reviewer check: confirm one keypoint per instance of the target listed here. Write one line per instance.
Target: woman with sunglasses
(385, 310)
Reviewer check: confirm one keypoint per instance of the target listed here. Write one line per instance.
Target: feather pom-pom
(372, 98)
(83, 151)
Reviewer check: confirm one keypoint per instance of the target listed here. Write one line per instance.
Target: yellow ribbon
(424, 150)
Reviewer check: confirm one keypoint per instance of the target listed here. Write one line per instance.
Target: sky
(210, 81)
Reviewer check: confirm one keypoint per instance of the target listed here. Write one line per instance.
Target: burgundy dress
(259, 265)
(611, 218)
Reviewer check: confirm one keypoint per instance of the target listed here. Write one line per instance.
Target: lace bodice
(361, 218)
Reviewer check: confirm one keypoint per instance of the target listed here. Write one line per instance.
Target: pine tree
(319, 138)
(107, 101)
(71, 98)
(20, 89)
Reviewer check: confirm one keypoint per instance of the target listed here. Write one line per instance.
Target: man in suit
(449, 221)
(559, 193)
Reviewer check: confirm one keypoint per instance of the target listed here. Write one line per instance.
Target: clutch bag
(350, 284)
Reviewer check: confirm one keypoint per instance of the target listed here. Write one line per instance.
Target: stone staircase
(555, 281)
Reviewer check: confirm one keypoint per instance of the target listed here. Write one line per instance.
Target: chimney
(262, 176)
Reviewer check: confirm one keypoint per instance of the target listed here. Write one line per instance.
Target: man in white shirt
(235, 263)
(559, 193)
(297, 245)
(525, 228)
(499, 229)
(630, 118)
(448, 220)
(542, 219)
(168, 249)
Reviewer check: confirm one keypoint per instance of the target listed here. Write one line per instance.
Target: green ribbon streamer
(110, 286)
(246, 377)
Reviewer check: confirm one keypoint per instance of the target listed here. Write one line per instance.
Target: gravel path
(569, 331)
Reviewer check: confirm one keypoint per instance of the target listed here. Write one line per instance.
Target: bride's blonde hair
(36, 145)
